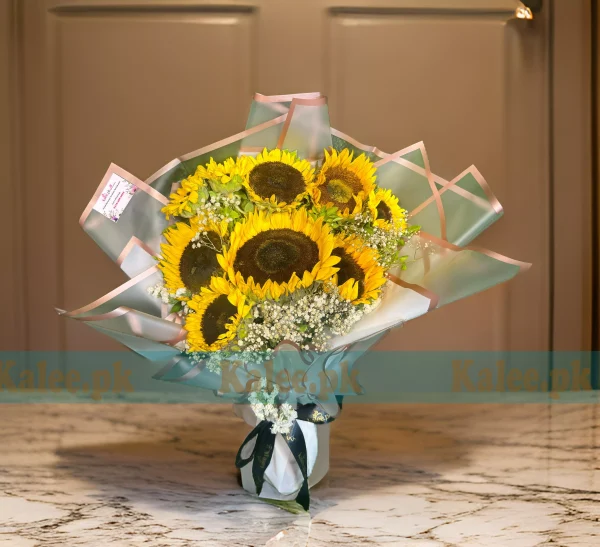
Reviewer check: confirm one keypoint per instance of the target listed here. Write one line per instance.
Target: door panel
(160, 83)
(143, 82)
(449, 79)
(137, 87)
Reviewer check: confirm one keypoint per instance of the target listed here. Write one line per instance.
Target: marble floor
(403, 475)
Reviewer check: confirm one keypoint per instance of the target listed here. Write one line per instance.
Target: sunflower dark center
(339, 187)
(384, 212)
(197, 265)
(218, 313)
(276, 255)
(279, 179)
(349, 269)
(339, 190)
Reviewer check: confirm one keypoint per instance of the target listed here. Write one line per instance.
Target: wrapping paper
(283, 478)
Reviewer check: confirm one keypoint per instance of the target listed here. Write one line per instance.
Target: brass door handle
(528, 8)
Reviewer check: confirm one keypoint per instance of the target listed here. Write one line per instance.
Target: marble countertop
(503, 475)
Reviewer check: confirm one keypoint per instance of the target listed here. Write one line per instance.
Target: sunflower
(184, 201)
(343, 182)
(274, 254)
(360, 277)
(229, 169)
(218, 312)
(278, 178)
(189, 258)
(386, 211)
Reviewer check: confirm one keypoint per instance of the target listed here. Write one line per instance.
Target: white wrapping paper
(283, 478)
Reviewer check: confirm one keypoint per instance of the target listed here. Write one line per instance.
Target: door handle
(527, 8)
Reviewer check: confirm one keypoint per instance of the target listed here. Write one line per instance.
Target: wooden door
(141, 82)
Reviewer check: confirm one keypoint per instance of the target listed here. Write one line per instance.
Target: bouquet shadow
(187, 472)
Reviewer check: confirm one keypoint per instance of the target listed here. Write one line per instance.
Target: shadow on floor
(190, 466)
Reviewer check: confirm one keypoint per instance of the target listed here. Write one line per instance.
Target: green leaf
(248, 207)
(203, 193)
(230, 187)
(290, 506)
(176, 307)
(215, 185)
(237, 179)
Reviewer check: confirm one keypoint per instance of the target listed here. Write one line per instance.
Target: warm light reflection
(523, 12)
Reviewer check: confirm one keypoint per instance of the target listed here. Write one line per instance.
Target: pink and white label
(115, 197)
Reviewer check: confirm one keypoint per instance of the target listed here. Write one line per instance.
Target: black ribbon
(265, 444)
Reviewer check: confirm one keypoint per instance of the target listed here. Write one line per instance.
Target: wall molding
(571, 174)
(13, 333)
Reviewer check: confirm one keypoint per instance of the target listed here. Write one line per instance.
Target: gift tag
(115, 197)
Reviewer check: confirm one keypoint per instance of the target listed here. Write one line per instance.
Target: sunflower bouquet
(270, 248)
(278, 256)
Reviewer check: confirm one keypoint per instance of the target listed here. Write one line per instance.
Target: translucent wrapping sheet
(450, 213)
(139, 226)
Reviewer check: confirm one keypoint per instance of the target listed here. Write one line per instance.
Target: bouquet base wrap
(283, 477)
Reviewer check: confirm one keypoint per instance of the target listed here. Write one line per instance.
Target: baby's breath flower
(161, 292)
(308, 318)
(263, 404)
(386, 241)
